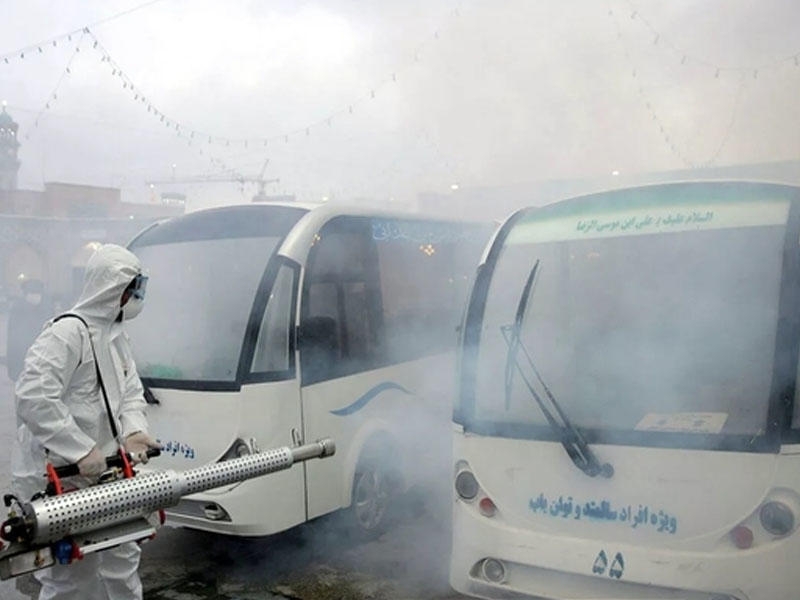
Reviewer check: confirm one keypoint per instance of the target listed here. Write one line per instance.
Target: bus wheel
(374, 490)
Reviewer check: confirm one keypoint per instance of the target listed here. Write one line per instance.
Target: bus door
(338, 336)
(270, 393)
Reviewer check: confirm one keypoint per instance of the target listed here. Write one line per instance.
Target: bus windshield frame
(558, 236)
(206, 249)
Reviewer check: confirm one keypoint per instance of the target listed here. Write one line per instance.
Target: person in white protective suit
(62, 415)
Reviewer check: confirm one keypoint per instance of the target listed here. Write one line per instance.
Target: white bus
(626, 423)
(267, 325)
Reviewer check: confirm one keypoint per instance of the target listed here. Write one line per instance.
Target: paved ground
(313, 561)
(309, 562)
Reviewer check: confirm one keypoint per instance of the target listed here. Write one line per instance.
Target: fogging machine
(56, 527)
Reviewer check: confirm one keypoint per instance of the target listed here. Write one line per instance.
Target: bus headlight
(493, 570)
(238, 449)
(776, 518)
(466, 485)
(214, 512)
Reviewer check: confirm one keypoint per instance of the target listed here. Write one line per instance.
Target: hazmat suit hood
(108, 272)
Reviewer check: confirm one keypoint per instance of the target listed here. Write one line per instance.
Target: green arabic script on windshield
(634, 223)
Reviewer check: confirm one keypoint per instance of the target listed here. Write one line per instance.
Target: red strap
(76, 553)
(127, 470)
(52, 476)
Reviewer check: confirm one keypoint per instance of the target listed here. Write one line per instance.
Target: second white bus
(628, 423)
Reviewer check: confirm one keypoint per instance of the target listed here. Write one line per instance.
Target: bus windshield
(643, 319)
(203, 281)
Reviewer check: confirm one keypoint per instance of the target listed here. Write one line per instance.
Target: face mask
(33, 298)
(132, 307)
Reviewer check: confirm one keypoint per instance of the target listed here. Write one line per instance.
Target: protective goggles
(138, 286)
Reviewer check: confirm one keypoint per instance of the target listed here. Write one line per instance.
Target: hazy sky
(469, 92)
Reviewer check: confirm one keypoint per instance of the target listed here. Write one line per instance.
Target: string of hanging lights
(194, 135)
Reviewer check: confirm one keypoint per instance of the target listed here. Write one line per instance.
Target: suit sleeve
(48, 369)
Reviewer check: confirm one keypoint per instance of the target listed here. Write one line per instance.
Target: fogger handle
(115, 460)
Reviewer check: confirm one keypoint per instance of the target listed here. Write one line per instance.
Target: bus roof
(726, 186)
(301, 237)
(298, 221)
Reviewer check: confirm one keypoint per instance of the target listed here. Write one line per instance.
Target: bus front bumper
(492, 560)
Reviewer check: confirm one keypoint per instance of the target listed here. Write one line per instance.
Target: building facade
(49, 234)
(9, 147)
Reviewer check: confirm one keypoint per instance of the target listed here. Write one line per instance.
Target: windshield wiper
(570, 437)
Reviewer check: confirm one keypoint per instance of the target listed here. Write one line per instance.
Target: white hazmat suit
(61, 415)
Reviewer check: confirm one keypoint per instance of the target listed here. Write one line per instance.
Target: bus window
(272, 351)
(205, 269)
(320, 340)
(358, 321)
(424, 272)
(319, 348)
(623, 322)
(201, 291)
(341, 304)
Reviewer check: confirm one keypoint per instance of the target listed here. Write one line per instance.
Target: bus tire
(374, 497)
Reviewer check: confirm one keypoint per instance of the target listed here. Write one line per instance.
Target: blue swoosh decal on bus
(364, 400)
